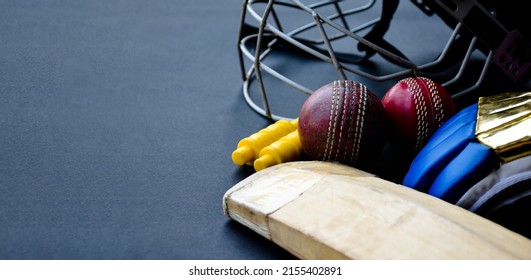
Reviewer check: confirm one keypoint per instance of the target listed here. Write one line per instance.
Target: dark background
(117, 121)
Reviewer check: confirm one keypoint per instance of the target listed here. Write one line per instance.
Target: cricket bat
(323, 210)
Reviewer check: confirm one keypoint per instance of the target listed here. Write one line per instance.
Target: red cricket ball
(416, 107)
(343, 122)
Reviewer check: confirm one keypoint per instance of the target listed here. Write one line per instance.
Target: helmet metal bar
(463, 67)
(272, 34)
(240, 37)
(329, 47)
(270, 70)
(446, 49)
(257, 58)
(487, 28)
(310, 25)
(399, 60)
(325, 58)
(341, 16)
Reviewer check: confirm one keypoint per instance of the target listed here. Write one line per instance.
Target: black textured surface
(117, 121)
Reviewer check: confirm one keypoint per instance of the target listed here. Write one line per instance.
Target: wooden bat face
(323, 210)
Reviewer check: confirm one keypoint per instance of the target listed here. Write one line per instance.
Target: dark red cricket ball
(343, 122)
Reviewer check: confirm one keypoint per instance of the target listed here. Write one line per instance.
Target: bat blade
(320, 210)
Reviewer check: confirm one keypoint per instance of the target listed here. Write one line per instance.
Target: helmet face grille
(298, 46)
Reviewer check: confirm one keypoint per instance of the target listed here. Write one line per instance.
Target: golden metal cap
(504, 124)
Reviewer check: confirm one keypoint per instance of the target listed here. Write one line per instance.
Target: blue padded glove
(452, 160)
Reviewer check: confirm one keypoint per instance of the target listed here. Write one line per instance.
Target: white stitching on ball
(359, 122)
(330, 121)
(438, 113)
(421, 110)
(346, 93)
(351, 106)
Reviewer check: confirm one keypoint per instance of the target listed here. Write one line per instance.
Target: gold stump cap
(504, 124)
